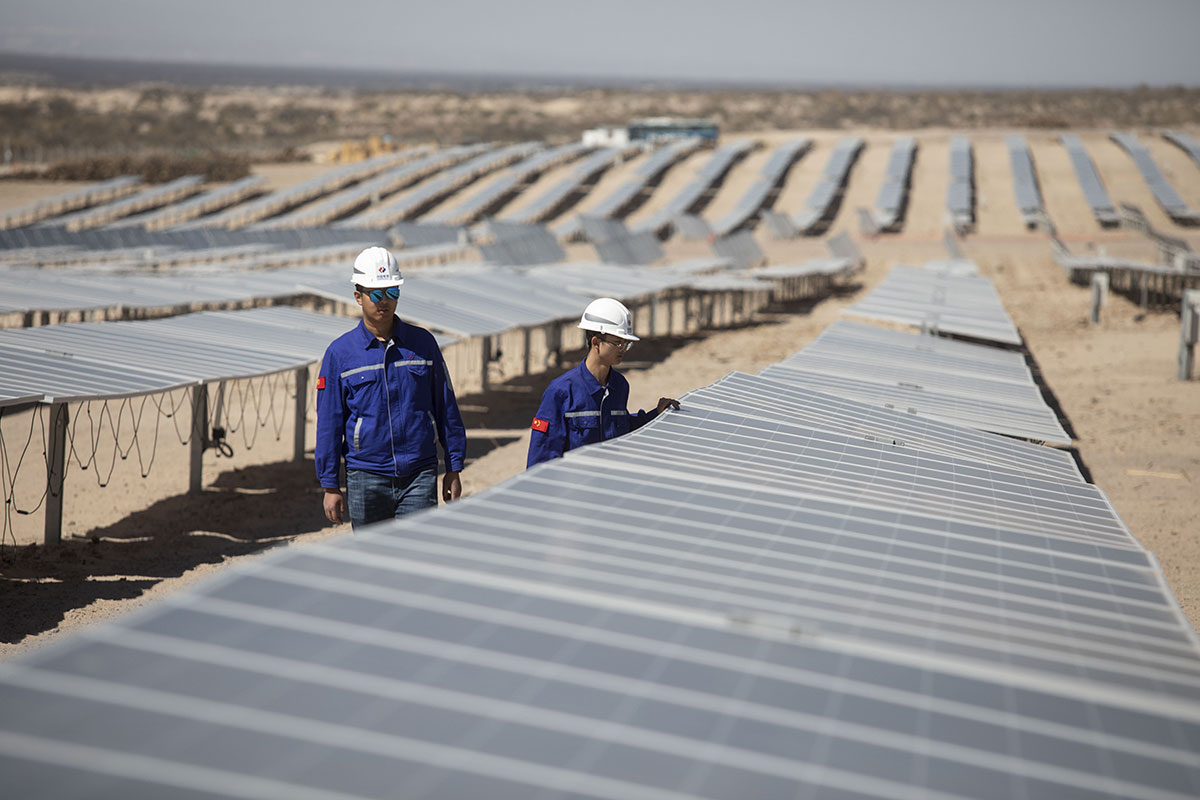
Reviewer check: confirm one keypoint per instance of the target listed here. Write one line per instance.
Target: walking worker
(384, 400)
(588, 404)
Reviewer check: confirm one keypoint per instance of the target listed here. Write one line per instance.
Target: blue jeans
(371, 497)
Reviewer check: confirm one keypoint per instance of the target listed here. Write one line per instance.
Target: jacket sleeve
(641, 418)
(451, 430)
(552, 442)
(331, 422)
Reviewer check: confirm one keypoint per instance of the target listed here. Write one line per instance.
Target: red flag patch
(540, 425)
(320, 381)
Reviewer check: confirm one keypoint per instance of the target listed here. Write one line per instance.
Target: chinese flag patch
(320, 381)
(540, 425)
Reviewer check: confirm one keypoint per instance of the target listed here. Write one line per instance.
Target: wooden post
(56, 468)
(199, 437)
(1099, 294)
(1189, 333)
(301, 414)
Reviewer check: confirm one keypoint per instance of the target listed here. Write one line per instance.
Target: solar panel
(1185, 142)
(959, 304)
(825, 198)
(771, 176)
(1025, 182)
(101, 192)
(1164, 192)
(981, 412)
(774, 401)
(692, 197)
(709, 607)
(1089, 181)
(892, 200)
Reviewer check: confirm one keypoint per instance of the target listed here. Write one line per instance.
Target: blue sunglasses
(377, 295)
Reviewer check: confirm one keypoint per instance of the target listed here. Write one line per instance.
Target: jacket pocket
(583, 427)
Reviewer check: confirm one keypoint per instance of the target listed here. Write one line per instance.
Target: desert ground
(130, 539)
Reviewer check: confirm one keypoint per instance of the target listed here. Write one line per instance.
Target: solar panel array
(892, 200)
(513, 243)
(149, 198)
(622, 200)
(962, 305)
(1025, 182)
(550, 203)
(1089, 181)
(772, 592)
(1164, 192)
(615, 244)
(437, 189)
(741, 248)
(278, 202)
(1185, 142)
(89, 361)
(19, 243)
(825, 198)
(101, 192)
(506, 187)
(206, 203)
(966, 384)
(960, 193)
(770, 178)
(363, 195)
(692, 197)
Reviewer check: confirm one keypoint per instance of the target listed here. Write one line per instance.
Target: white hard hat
(376, 268)
(606, 315)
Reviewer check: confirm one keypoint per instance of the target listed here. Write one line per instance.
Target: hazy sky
(873, 42)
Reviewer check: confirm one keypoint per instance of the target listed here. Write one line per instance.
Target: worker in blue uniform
(384, 400)
(588, 404)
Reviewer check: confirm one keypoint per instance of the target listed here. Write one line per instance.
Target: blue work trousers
(371, 497)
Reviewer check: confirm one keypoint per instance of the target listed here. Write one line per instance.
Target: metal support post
(1189, 333)
(301, 413)
(199, 439)
(1099, 294)
(56, 469)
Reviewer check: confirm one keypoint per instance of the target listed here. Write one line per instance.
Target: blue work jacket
(576, 410)
(385, 406)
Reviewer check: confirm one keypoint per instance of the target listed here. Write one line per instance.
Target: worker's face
(612, 349)
(377, 304)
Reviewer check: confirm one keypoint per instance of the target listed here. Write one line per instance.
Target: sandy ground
(137, 538)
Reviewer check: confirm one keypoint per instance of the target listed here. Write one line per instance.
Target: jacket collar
(368, 338)
(589, 380)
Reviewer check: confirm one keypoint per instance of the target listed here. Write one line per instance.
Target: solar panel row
(1025, 182)
(825, 198)
(277, 202)
(510, 184)
(692, 197)
(773, 592)
(368, 193)
(1089, 181)
(1164, 192)
(770, 178)
(213, 200)
(623, 199)
(101, 192)
(962, 305)
(960, 193)
(444, 184)
(550, 203)
(149, 198)
(892, 200)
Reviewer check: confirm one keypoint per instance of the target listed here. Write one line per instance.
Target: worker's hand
(667, 402)
(335, 506)
(451, 487)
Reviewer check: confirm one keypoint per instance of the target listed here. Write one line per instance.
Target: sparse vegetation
(46, 124)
